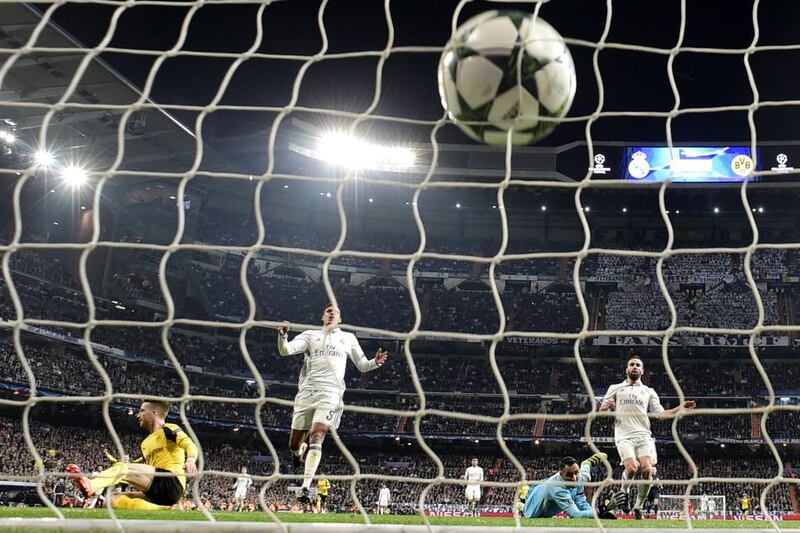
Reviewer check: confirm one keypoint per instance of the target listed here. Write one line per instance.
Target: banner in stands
(694, 340)
(701, 341)
(70, 339)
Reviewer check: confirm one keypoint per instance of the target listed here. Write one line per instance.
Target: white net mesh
(165, 314)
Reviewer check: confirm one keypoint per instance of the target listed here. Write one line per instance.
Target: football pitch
(19, 520)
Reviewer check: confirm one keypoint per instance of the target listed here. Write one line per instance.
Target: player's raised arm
(668, 413)
(361, 361)
(300, 343)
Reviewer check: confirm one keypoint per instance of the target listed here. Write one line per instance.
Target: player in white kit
(318, 403)
(241, 486)
(384, 499)
(473, 491)
(631, 402)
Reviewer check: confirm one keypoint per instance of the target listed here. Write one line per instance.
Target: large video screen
(707, 164)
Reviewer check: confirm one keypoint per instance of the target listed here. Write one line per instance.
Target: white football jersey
(633, 402)
(242, 482)
(324, 366)
(474, 473)
(384, 496)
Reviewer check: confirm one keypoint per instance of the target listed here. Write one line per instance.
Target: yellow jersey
(523, 492)
(323, 486)
(169, 448)
(745, 504)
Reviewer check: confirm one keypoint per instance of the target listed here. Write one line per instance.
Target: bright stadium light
(716, 210)
(74, 176)
(760, 209)
(43, 158)
(624, 209)
(344, 150)
(544, 208)
(7, 137)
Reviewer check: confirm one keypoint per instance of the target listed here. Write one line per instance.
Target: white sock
(626, 487)
(642, 493)
(313, 458)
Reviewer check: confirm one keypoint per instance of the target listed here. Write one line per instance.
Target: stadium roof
(84, 122)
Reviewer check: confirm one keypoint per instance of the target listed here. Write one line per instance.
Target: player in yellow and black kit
(166, 450)
(323, 488)
(523, 493)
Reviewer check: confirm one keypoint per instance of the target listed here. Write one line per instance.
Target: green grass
(39, 512)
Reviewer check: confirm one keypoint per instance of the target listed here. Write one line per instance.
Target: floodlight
(43, 158)
(344, 150)
(75, 176)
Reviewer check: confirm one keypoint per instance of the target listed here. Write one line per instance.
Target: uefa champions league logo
(598, 168)
(782, 159)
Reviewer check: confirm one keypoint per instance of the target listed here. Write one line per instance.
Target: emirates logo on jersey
(632, 401)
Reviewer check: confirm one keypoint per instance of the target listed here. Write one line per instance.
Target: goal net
(180, 179)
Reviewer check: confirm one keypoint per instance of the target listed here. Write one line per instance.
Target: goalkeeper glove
(596, 459)
(606, 514)
(607, 505)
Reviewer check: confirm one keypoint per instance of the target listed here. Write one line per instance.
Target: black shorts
(164, 490)
(322, 498)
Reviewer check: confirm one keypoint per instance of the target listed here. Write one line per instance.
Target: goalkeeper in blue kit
(552, 496)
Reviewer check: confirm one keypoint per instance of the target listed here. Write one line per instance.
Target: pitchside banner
(662, 515)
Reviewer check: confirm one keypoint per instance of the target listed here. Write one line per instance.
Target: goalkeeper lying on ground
(552, 496)
(166, 450)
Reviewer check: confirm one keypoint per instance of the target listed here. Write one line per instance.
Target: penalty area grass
(7, 514)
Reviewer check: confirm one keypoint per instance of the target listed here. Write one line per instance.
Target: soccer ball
(504, 70)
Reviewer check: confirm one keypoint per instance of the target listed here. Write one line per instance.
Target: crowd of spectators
(531, 385)
(708, 290)
(730, 306)
(59, 445)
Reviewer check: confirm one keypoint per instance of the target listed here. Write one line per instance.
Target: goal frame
(697, 514)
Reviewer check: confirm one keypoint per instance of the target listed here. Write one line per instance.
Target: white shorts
(312, 406)
(383, 503)
(636, 447)
(241, 494)
(473, 492)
